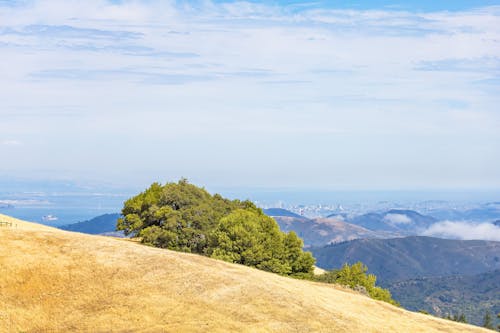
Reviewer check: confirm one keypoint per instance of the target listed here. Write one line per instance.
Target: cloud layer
(397, 219)
(257, 94)
(464, 230)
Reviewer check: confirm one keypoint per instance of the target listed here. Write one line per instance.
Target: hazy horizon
(290, 194)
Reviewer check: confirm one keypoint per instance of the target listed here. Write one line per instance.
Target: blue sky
(370, 95)
(415, 5)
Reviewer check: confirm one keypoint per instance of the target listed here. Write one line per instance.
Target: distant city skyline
(372, 95)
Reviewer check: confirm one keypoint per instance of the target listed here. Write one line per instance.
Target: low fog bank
(464, 230)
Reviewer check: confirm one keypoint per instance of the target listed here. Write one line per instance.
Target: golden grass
(57, 281)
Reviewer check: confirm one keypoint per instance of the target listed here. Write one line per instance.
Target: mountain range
(412, 257)
(322, 231)
(484, 212)
(281, 212)
(441, 276)
(394, 220)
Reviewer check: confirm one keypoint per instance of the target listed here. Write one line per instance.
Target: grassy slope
(58, 281)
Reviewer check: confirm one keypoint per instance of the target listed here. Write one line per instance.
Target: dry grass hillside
(58, 281)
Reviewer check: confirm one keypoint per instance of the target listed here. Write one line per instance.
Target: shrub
(355, 277)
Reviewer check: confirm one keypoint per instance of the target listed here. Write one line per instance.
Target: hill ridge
(412, 256)
(104, 223)
(55, 280)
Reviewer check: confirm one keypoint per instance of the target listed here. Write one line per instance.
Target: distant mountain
(4, 205)
(322, 231)
(497, 223)
(280, 212)
(98, 225)
(411, 257)
(489, 211)
(395, 220)
(470, 295)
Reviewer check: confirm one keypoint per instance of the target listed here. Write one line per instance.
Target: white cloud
(464, 230)
(397, 219)
(10, 143)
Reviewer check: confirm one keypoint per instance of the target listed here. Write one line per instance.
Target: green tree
(487, 322)
(254, 239)
(355, 276)
(458, 318)
(177, 216)
(184, 217)
(302, 263)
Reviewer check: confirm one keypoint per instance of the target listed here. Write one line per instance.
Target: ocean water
(60, 209)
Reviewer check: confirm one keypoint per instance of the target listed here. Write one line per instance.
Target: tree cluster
(488, 321)
(458, 318)
(183, 217)
(355, 276)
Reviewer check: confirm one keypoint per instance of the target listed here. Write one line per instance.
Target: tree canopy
(183, 217)
(177, 216)
(355, 276)
(254, 239)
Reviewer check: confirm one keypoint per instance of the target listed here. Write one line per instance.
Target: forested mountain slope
(410, 257)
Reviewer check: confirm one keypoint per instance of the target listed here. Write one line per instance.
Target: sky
(346, 95)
